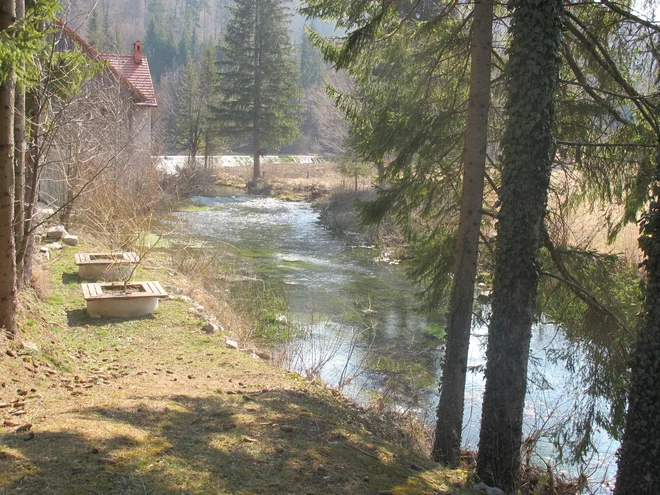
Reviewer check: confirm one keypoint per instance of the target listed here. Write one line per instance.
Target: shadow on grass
(215, 445)
(79, 318)
(71, 278)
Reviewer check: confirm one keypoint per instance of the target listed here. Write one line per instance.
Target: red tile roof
(137, 76)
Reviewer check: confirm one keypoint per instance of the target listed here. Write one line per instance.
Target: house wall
(141, 129)
(99, 130)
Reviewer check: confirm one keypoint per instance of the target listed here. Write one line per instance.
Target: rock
(56, 246)
(174, 289)
(490, 490)
(232, 344)
(210, 328)
(70, 240)
(56, 233)
(30, 346)
(42, 214)
(282, 319)
(185, 299)
(24, 428)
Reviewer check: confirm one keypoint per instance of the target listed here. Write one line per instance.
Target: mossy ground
(154, 406)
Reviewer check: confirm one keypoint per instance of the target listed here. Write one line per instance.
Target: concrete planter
(106, 266)
(107, 300)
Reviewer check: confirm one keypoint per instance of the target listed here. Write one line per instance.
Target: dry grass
(154, 406)
(295, 181)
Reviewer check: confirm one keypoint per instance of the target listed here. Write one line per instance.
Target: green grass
(176, 417)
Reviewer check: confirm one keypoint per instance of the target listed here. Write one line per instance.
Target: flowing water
(363, 328)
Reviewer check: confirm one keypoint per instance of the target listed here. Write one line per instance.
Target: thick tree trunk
(19, 167)
(447, 443)
(638, 472)
(528, 151)
(7, 247)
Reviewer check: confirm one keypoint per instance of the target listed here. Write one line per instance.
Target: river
(362, 329)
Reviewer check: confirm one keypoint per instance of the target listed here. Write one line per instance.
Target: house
(133, 71)
(104, 128)
(133, 74)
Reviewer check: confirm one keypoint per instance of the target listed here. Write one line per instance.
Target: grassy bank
(154, 405)
(292, 181)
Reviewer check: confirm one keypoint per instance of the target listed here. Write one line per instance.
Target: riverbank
(154, 405)
(292, 181)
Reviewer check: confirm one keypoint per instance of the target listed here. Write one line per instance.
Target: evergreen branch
(615, 7)
(572, 63)
(581, 32)
(581, 292)
(606, 145)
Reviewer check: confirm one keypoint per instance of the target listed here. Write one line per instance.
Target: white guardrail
(171, 163)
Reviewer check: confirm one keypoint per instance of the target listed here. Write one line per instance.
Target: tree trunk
(638, 472)
(449, 425)
(256, 137)
(33, 159)
(380, 170)
(19, 167)
(528, 151)
(7, 247)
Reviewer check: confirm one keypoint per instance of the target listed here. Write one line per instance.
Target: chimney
(137, 52)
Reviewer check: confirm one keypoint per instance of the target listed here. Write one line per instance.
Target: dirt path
(155, 406)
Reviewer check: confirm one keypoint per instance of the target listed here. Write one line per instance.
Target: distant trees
(100, 34)
(312, 65)
(193, 96)
(259, 83)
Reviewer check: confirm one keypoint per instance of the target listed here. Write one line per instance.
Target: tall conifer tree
(259, 80)
(528, 148)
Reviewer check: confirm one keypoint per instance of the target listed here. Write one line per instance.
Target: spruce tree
(259, 78)
(312, 65)
(528, 149)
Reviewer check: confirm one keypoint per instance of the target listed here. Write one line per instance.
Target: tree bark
(7, 247)
(19, 167)
(528, 152)
(33, 160)
(638, 472)
(256, 138)
(447, 443)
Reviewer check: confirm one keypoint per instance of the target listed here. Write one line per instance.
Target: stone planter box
(105, 300)
(106, 266)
